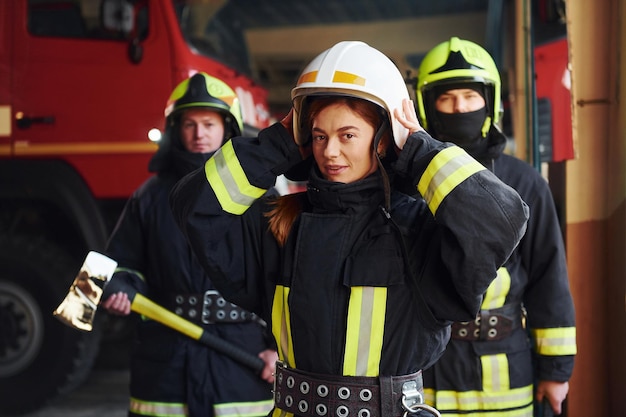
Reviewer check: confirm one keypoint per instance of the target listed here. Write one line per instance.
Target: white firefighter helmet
(355, 69)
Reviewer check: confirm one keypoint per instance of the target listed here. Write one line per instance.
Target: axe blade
(78, 309)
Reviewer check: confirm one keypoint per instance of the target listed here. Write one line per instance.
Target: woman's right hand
(117, 304)
(407, 118)
(287, 122)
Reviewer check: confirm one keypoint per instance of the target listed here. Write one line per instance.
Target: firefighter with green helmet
(522, 343)
(172, 374)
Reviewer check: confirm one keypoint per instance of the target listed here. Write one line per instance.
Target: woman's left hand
(270, 357)
(407, 118)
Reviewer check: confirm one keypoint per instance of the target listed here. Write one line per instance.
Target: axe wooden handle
(154, 311)
(143, 305)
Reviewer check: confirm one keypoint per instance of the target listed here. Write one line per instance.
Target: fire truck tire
(40, 357)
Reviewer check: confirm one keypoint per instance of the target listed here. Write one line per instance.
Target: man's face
(201, 130)
(459, 100)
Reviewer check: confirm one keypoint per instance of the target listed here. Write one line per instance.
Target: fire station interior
(583, 163)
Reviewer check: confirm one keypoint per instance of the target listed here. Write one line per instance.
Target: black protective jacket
(532, 282)
(170, 372)
(354, 289)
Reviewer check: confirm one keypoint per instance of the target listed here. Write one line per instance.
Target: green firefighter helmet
(455, 62)
(204, 91)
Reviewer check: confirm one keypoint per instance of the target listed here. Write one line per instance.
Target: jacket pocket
(376, 261)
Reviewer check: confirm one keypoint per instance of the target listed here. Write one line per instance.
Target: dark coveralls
(171, 374)
(490, 364)
(350, 292)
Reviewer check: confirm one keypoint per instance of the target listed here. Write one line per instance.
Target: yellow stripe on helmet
(347, 78)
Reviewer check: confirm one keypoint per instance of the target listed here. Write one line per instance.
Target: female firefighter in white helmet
(357, 281)
(171, 373)
(458, 97)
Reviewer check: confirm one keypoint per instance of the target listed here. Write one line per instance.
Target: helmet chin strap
(486, 126)
(386, 185)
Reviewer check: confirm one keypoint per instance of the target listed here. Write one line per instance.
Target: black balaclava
(463, 129)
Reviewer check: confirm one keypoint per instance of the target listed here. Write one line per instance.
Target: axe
(79, 307)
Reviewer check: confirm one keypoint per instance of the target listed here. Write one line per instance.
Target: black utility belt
(489, 325)
(209, 308)
(313, 395)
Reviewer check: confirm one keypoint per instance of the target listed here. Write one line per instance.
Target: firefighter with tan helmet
(172, 374)
(523, 341)
(357, 281)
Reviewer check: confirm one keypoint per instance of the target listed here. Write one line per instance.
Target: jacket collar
(352, 198)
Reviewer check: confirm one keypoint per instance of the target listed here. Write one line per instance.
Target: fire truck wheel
(40, 357)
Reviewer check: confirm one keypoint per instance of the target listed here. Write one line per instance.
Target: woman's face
(201, 130)
(342, 144)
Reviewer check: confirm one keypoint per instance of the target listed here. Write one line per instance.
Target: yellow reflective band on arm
(498, 290)
(365, 330)
(229, 181)
(518, 401)
(281, 325)
(151, 408)
(448, 168)
(558, 341)
(243, 409)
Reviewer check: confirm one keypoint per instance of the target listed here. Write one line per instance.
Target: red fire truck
(82, 85)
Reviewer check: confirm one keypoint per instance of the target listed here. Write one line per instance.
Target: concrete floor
(104, 394)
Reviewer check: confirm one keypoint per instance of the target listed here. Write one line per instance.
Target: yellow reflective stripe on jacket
(365, 329)
(281, 325)
(498, 290)
(158, 409)
(518, 400)
(448, 168)
(556, 341)
(280, 413)
(243, 409)
(495, 372)
(229, 182)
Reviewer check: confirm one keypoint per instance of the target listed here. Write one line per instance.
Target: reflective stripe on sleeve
(448, 168)
(152, 408)
(557, 341)
(132, 271)
(229, 182)
(365, 330)
(243, 409)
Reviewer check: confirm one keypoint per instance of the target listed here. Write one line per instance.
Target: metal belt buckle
(278, 365)
(210, 297)
(413, 401)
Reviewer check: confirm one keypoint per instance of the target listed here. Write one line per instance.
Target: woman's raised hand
(407, 118)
